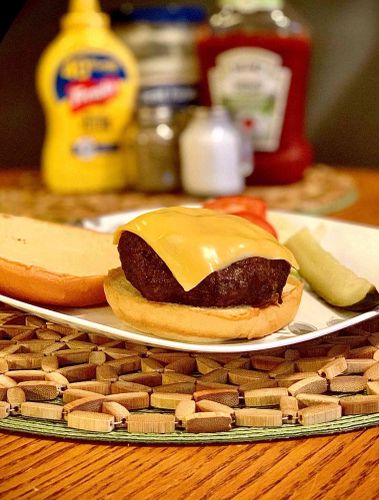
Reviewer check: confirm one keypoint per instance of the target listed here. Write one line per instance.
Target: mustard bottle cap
(85, 13)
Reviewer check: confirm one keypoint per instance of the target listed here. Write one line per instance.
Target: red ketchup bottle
(254, 59)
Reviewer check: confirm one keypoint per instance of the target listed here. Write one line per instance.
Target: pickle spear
(335, 283)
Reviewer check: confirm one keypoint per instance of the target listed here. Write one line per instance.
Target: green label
(253, 84)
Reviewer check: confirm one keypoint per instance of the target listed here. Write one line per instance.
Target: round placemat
(322, 190)
(46, 428)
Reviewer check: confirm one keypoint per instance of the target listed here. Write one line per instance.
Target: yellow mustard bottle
(87, 81)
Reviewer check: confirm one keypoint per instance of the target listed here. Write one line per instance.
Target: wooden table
(341, 466)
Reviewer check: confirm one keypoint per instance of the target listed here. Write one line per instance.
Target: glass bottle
(162, 39)
(255, 60)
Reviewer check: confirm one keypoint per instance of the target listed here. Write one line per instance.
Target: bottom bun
(202, 324)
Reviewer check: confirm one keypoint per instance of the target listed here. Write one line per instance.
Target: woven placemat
(322, 190)
(236, 435)
(360, 335)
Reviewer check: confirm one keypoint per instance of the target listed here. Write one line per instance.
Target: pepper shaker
(157, 150)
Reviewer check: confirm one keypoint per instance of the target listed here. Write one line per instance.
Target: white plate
(354, 245)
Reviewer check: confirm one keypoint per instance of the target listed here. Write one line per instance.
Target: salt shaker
(210, 152)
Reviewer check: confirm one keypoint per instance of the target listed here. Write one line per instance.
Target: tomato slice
(233, 204)
(259, 221)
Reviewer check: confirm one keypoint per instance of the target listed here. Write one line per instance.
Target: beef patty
(254, 281)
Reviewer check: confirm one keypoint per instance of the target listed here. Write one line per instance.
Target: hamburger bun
(47, 263)
(202, 324)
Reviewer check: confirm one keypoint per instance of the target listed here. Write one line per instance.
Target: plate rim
(149, 339)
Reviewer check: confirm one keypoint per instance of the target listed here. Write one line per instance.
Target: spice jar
(157, 150)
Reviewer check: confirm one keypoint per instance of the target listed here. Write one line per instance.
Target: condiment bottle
(87, 82)
(255, 59)
(157, 152)
(210, 153)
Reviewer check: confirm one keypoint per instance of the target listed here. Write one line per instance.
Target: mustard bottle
(87, 82)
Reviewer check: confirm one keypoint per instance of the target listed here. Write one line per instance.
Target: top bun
(48, 263)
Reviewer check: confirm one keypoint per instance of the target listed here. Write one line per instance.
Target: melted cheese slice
(195, 242)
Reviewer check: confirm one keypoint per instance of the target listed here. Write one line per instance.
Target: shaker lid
(154, 114)
(250, 6)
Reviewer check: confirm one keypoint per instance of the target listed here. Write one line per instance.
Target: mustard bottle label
(86, 79)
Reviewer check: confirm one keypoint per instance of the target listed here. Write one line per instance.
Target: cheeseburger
(196, 274)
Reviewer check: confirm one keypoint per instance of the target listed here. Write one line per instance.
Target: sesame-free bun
(47, 263)
(189, 323)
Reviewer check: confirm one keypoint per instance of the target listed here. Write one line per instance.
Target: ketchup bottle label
(253, 83)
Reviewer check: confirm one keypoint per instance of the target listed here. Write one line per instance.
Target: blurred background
(343, 103)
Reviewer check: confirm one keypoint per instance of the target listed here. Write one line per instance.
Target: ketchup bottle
(254, 59)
